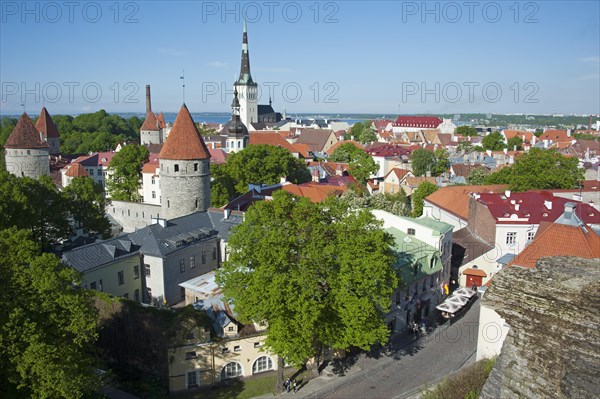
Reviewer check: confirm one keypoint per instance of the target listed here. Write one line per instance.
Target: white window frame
(511, 238)
(191, 384)
(263, 363)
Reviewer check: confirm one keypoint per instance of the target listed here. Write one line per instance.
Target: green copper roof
(414, 258)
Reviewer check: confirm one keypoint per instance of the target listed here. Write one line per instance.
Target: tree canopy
(396, 203)
(47, 325)
(95, 132)
(493, 141)
(318, 275)
(424, 161)
(466, 131)
(257, 164)
(539, 170)
(360, 164)
(419, 195)
(515, 142)
(40, 208)
(362, 132)
(88, 205)
(125, 170)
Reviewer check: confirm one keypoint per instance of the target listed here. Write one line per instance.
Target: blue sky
(384, 57)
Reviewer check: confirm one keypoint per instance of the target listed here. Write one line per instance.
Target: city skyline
(322, 57)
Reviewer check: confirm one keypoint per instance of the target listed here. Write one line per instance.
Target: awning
(465, 292)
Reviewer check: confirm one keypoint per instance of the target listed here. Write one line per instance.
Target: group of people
(288, 385)
(416, 329)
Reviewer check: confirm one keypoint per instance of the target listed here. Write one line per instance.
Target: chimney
(282, 179)
(148, 105)
(569, 210)
(568, 132)
(338, 170)
(159, 221)
(548, 204)
(517, 206)
(226, 213)
(315, 175)
(507, 193)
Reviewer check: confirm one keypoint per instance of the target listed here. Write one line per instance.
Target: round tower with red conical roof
(184, 169)
(26, 152)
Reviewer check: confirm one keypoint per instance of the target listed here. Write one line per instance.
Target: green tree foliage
(34, 205)
(87, 205)
(360, 164)
(426, 188)
(265, 164)
(513, 142)
(125, 173)
(493, 141)
(6, 127)
(95, 132)
(540, 170)
(396, 203)
(47, 325)
(320, 276)
(477, 176)
(466, 131)
(424, 161)
(222, 187)
(38, 207)
(362, 132)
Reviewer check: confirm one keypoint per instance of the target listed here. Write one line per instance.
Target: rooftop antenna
(23, 106)
(182, 77)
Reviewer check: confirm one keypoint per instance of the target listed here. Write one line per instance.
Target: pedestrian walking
(295, 386)
(286, 385)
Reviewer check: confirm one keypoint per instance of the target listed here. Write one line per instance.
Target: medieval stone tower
(45, 125)
(246, 87)
(184, 169)
(26, 152)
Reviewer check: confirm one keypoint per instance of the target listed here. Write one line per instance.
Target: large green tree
(87, 205)
(257, 164)
(125, 170)
(47, 324)
(360, 164)
(396, 203)
(466, 131)
(363, 132)
(426, 188)
(34, 205)
(544, 169)
(317, 275)
(515, 142)
(424, 161)
(493, 141)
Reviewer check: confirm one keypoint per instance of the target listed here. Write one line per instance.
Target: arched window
(231, 370)
(263, 363)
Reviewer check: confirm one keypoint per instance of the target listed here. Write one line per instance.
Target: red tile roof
(76, 170)
(96, 159)
(388, 150)
(527, 137)
(150, 167)
(474, 272)
(314, 191)
(556, 136)
(217, 155)
(46, 125)
(455, 199)
(271, 138)
(184, 141)
(380, 124)
(25, 135)
(532, 208)
(150, 123)
(161, 121)
(418, 121)
(400, 173)
(559, 240)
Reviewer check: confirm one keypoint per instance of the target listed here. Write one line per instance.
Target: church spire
(245, 76)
